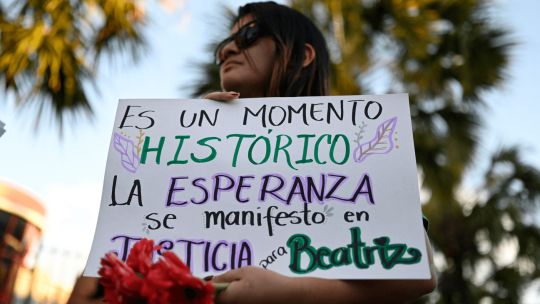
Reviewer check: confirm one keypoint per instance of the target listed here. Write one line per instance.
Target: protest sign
(318, 186)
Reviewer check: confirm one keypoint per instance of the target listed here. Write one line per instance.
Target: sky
(66, 173)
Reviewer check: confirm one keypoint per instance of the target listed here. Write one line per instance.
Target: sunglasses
(243, 38)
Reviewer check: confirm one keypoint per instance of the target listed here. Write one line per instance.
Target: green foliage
(209, 81)
(49, 48)
(446, 54)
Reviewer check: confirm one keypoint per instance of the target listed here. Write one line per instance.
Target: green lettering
(266, 150)
(347, 149)
(340, 256)
(317, 143)
(306, 138)
(321, 253)
(181, 139)
(213, 152)
(238, 144)
(284, 148)
(298, 244)
(146, 149)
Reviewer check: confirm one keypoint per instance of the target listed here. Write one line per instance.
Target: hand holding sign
(222, 96)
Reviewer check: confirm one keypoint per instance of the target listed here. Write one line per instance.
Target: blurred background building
(22, 219)
(21, 226)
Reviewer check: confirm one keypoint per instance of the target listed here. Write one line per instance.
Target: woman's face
(247, 71)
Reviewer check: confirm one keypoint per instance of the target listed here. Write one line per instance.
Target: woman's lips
(229, 64)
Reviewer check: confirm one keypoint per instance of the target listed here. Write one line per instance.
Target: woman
(274, 50)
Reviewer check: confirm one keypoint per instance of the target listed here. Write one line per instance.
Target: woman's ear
(309, 55)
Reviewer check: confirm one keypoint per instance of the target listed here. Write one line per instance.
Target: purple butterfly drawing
(126, 148)
(381, 143)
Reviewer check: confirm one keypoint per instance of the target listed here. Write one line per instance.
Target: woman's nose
(228, 50)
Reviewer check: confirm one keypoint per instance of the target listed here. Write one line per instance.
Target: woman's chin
(247, 89)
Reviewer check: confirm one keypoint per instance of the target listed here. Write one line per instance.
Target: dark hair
(291, 30)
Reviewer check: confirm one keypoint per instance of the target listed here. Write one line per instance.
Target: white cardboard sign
(316, 186)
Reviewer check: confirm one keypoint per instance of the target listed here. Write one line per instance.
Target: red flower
(140, 281)
(140, 256)
(170, 281)
(121, 283)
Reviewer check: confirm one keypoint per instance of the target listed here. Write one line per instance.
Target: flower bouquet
(140, 280)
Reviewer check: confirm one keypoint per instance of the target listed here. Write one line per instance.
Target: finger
(229, 276)
(234, 293)
(222, 96)
(227, 295)
(232, 277)
(208, 278)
